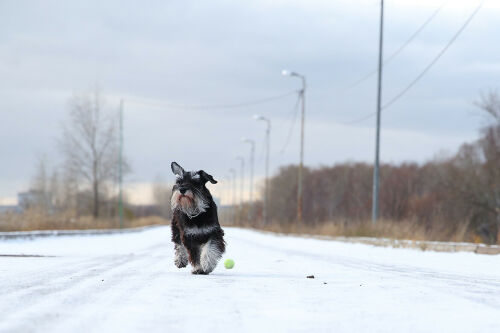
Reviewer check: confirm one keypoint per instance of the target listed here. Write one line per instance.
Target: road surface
(128, 283)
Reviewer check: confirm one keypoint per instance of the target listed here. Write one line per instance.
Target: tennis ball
(229, 263)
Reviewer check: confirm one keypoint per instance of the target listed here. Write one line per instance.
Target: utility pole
(120, 168)
(242, 185)
(252, 156)
(301, 165)
(268, 143)
(302, 94)
(375, 202)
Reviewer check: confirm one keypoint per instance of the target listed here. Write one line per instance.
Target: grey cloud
(199, 52)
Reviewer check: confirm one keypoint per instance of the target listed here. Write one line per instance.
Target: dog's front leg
(181, 256)
(209, 256)
(194, 258)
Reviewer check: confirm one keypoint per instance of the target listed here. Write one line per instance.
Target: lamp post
(242, 184)
(252, 154)
(233, 192)
(266, 190)
(301, 164)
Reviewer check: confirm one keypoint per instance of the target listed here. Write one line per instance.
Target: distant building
(31, 199)
(9, 209)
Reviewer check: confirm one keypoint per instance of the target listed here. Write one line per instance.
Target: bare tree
(490, 103)
(489, 146)
(161, 194)
(40, 191)
(90, 145)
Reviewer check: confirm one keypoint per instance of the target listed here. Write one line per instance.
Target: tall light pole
(301, 164)
(233, 193)
(252, 155)
(120, 167)
(266, 190)
(377, 135)
(242, 184)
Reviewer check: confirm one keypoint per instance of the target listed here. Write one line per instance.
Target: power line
(440, 54)
(210, 106)
(424, 71)
(295, 111)
(412, 37)
(262, 150)
(360, 119)
(400, 49)
(291, 113)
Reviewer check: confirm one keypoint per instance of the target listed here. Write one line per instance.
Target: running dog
(196, 232)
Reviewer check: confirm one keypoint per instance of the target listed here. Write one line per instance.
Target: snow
(127, 282)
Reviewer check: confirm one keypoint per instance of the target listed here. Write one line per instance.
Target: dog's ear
(177, 169)
(206, 177)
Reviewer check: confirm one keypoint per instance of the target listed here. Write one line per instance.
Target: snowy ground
(128, 283)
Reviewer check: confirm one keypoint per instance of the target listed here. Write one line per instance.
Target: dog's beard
(191, 203)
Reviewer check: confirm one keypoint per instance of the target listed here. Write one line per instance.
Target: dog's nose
(182, 190)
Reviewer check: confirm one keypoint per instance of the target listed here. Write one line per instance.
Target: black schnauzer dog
(196, 231)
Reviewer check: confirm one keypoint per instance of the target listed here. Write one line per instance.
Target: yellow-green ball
(229, 263)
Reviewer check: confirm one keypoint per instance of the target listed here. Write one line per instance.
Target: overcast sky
(227, 52)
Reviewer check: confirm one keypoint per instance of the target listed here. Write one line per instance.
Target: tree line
(441, 194)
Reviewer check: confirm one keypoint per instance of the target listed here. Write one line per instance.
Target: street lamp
(242, 183)
(266, 191)
(252, 154)
(301, 164)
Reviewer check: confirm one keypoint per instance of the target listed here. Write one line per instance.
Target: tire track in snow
(77, 284)
(477, 289)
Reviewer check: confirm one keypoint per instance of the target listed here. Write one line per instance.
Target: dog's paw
(198, 271)
(181, 256)
(180, 263)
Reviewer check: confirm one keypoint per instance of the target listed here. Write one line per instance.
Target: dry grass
(408, 230)
(36, 220)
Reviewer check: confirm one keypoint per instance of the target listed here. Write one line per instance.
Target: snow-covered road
(128, 283)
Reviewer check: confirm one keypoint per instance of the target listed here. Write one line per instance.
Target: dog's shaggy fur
(196, 231)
